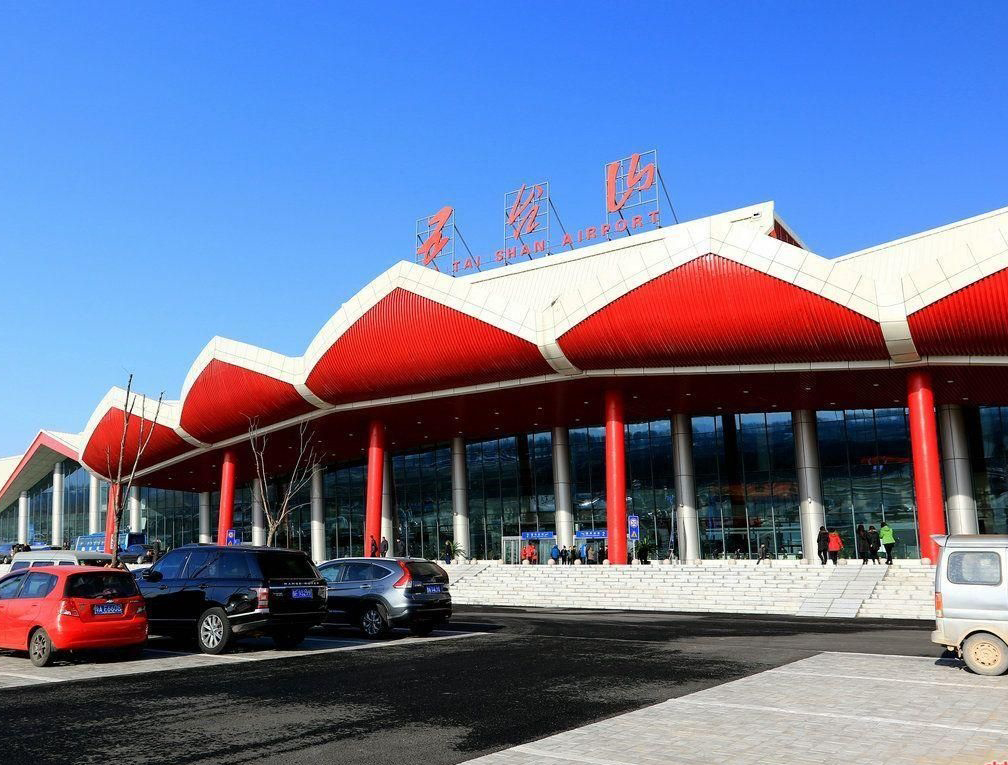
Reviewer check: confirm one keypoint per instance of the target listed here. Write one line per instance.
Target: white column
(318, 546)
(960, 503)
(134, 509)
(387, 521)
(204, 518)
(94, 505)
(57, 505)
(258, 514)
(564, 508)
(23, 518)
(460, 496)
(811, 513)
(687, 524)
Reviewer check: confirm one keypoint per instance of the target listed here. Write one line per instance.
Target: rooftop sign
(632, 205)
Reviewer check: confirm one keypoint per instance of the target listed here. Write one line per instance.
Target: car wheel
(286, 641)
(373, 621)
(213, 631)
(421, 629)
(40, 648)
(985, 654)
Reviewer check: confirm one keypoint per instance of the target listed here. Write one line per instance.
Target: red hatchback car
(50, 609)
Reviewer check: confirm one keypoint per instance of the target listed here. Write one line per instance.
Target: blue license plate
(301, 593)
(106, 608)
(434, 588)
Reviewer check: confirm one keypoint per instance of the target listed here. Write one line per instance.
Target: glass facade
(747, 494)
(987, 436)
(867, 475)
(744, 467)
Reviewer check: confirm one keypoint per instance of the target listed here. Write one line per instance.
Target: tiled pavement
(160, 655)
(831, 708)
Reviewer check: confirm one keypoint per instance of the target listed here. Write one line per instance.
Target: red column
(375, 474)
(113, 499)
(926, 461)
(616, 520)
(225, 516)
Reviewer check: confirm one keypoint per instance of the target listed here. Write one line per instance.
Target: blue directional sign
(592, 534)
(538, 534)
(633, 526)
(232, 537)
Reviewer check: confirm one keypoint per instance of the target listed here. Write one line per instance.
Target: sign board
(631, 206)
(592, 534)
(232, 537)
(538, 534)
(633, 526)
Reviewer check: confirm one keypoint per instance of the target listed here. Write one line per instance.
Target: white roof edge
(924, 234)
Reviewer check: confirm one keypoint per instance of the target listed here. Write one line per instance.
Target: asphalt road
(534, 673)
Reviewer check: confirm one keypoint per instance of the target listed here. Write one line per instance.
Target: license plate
(434, 588)
(301, 593)
(106, 608)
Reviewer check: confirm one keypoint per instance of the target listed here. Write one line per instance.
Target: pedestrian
(835, 545)
(374, 547)
(555, 553)
(564, 556)
(384, 547)
(603, 551)
(591, 555)
(583, 552)
(862, 543)
(447, 552)
(873, 544)
(764, 554)
(888, 539)
(823, 542)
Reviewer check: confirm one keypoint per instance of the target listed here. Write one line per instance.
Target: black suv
(222, 592)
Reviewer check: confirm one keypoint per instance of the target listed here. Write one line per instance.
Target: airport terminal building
(714, 381)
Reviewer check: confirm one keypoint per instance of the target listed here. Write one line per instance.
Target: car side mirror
(150, 575)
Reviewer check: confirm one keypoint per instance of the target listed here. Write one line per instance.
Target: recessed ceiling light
(950, 381)
(874, 385)
(745, 391)
(668, 410)
(832, 403)
(808, 387)
(635, 395)
(577, 419)
(689, 394)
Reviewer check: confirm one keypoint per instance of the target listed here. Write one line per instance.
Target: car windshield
(424, 570)
(278, 565)
(95, 584)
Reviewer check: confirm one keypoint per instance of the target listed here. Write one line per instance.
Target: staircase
(907, 592)
(783, 587)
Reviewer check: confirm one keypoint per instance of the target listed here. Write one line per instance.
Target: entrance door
(511, 549)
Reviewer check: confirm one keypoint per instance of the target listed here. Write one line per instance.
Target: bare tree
(278, 511)
(126, 468)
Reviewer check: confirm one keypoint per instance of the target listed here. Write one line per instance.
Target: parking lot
(162, 654)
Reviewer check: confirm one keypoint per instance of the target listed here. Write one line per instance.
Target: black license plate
(301, 593)
(435, 588)
(106, 608)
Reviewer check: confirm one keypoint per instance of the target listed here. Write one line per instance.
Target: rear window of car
(40, 563)
(94, 584)
(974, 568)
(17, 566)
(277, 565)
(425, 570)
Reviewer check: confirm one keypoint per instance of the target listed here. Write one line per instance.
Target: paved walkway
(831, 708)
(161, 654)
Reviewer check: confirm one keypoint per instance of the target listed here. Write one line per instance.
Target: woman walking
(873, 543)
(835, 545)
(888, 538)
(823, 542)
(862, 543)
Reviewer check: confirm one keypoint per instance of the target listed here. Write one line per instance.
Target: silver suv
(377, 594)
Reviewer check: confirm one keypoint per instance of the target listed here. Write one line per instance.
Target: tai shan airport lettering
(629, 186)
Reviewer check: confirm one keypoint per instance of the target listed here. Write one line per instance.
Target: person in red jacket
(835, 545)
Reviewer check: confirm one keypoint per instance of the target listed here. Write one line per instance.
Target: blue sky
(171, 172)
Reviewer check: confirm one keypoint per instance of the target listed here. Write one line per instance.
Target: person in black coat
(873, 544)
(862, 543)
(823, 542)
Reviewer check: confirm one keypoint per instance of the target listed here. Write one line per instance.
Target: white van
(971, 600)
(36, 558)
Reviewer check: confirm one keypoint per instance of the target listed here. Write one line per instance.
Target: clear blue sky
(173, 171)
